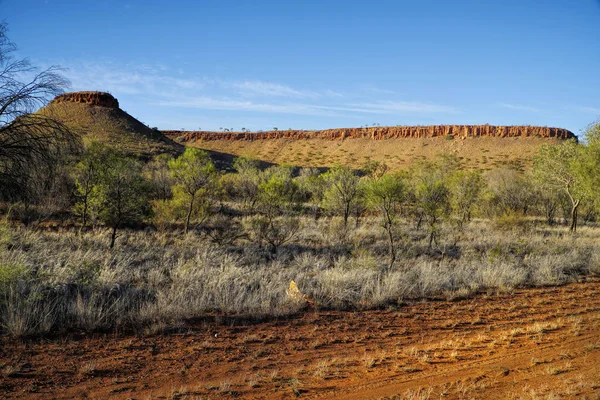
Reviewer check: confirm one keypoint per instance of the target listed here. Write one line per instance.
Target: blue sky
(323, 64)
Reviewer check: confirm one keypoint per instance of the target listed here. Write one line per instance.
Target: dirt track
(526, 344)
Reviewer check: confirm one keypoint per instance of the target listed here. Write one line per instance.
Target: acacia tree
(247, 180)
(122, 193)
(557, 167)
(343, 193)
(386, 195)
(87, 177)
(193, 173)
(28, 143)
(115, 192)
(509, 191)
(588, 164)
(430, 196)
(159, 176)
(465, 191)
(312, 185)
(279, 195)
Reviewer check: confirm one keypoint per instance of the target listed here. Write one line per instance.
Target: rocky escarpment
(101, 99)
(381, 133)
(96, 116)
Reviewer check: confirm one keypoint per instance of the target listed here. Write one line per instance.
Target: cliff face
(102, 99)
(381, 133)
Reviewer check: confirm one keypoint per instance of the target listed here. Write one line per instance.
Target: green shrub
(511, 220)
(10, 274)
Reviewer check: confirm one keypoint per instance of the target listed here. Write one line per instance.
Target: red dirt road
(527, 344)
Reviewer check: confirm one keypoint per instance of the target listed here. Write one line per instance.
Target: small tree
(343, 193)
(87, 178)
(159, 176)
(247, 181)
(120, 195)
(312, 186)
(466, 188)
(431, 197)
(508, 192)
(587, 166)
(558, 167)
(193, 173)
(279, 195)
(374, 169)
(386, 196)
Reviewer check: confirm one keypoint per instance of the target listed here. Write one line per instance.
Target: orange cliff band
(381, 133)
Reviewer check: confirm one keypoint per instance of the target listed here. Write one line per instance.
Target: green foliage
(246, 182)
(87, 179)
(111, 188)
(122, 192)
(159, 176)
(5, 233)
(431, 196)
(194, 173)
(508, 191)
(466, 189)
(182, 203)
(343, 193)
(278, 192)
(374, 169)
(563, 167)
(386, 196)
(278, 198)
(587, 166)
(591, 134)
(10, 274)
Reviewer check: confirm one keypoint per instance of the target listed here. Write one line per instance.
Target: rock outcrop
(96, 116)
(380, 133)
(101, 99)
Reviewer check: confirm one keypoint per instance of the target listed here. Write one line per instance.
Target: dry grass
(397, 153)
(52, 282)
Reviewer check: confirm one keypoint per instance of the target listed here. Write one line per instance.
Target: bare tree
(28, 142)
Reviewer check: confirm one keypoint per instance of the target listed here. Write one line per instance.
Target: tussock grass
(56, 282)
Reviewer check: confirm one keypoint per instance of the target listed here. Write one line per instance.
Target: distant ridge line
(380, 133)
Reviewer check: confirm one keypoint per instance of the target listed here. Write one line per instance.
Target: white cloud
(375, 90)
(519, 107)
(209, 103)
(271, 89)
(393, 107)
(591, 110)
(158, 85)
(139, 79)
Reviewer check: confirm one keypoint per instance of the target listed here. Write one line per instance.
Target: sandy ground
(530, 344)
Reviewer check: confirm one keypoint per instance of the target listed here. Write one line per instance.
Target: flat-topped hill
(382, 133)
(479, 146)
(96, 116)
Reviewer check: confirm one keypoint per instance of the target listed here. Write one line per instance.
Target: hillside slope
(479, 146)
(97, 116)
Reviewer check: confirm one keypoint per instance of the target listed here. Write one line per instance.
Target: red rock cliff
(381, 133)
(102, 99)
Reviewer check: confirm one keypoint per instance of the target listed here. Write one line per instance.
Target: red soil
(523, 344)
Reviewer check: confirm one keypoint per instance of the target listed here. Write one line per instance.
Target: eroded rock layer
(102, 99)
(381, 133)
